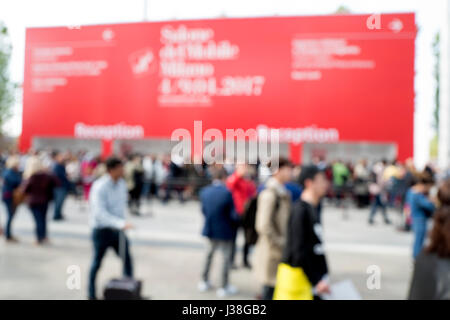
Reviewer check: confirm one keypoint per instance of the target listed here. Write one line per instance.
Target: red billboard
(340, 78)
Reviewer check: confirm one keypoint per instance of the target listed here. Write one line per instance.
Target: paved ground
(168, 253)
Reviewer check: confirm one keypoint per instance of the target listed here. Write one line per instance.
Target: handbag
(292, 284)
(18, 196)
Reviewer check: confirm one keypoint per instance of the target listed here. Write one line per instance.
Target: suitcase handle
(122, 245)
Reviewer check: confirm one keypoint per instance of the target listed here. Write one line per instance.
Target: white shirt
(108, 201)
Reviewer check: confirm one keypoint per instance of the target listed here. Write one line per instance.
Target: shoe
(226, 292)
(204, 286)
(42, 243)
(247, 265)
(59, 219)
(371, 222)
(388, 222)
(12, 240)
(38, 243)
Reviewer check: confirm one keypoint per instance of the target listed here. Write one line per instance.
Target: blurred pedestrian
(88, 165)
(407, 181)
(377, 188)
(160, 174)
(273, 210)
(31, 162)
(341, 175)
(134, 176)
(431, 277)
(391, 175)
(59, 170)
(220, 228)
(148, 164)
(421, 208)
(108, 201)
(176, 178)
(39, 190)
(100, 168)
(73, 169)
(12, 180)
(242, 189)
(361, 186)
(303, 271)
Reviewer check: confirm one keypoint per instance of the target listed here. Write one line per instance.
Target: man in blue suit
(220, 229)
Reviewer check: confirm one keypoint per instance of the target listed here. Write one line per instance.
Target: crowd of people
(281, 217)
(277, 208)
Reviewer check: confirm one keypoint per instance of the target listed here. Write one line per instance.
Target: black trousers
(102, 240)
(267, 293)
(246, 248)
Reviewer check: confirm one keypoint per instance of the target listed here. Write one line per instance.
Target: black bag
(125, 288)
(249, 218)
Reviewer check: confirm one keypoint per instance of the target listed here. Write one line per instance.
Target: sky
(20, 14)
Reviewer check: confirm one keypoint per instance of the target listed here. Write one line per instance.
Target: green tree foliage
(437, 79)
(342, 10)
(7, 87)
(437, 104)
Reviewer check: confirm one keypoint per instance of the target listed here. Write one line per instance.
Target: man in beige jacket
(272, 215)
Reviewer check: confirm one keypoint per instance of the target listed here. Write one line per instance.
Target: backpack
(249, 218)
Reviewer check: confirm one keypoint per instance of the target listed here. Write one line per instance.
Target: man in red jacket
(242, 189)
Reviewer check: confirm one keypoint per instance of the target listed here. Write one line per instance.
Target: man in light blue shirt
(108, 201)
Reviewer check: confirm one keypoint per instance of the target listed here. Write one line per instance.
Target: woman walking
(39, 189)
(11, 183)
(421, 209)
(431, 280)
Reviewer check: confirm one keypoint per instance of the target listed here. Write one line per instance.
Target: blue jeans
(378, 203)
(10, 211)
(40, 217)
(60, 195)
(102, 240)
(419, 226)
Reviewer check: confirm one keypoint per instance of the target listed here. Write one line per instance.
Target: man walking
(220, 229)
(272, 214)
(303, 272)
(108, 200)
(60, 192)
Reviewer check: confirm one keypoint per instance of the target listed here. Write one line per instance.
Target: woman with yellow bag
(303, 272)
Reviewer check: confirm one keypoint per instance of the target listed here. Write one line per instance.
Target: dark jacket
(295, 189)
(218, 209)
(304, 245)
(11, 181)
(59, 170)
(431, 278)
(39, 188)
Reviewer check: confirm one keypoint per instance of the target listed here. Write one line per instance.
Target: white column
(444, 116)
(145, 10)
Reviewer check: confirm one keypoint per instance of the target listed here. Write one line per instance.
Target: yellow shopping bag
(292, 284)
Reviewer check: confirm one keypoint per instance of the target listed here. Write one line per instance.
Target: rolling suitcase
(124, 288)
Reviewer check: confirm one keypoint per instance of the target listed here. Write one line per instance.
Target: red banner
(317, 79)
